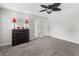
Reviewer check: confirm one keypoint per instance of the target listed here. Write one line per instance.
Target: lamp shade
(14, 20)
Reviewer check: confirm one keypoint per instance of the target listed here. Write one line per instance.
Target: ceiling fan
(50, 8)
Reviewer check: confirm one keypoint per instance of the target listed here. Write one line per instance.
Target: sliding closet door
(38, 26)
(41, 27)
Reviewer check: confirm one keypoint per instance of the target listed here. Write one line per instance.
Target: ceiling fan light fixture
(49, 10)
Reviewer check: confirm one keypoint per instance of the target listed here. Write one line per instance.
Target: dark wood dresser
(20, 36)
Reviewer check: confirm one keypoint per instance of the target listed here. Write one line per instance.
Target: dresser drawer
(20, 36)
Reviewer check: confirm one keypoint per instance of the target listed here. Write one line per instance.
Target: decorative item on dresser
(20, 36)
(14, 21)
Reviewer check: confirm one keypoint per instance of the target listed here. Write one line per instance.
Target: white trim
(9, 43)
(65, 39)
(26, 12)
(4, 44)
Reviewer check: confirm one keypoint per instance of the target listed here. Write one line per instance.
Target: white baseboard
(65, 39)
(9, 43)
(4, 44)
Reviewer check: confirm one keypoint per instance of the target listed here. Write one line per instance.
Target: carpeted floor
(46, 46)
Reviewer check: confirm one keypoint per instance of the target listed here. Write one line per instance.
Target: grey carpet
(45, 46)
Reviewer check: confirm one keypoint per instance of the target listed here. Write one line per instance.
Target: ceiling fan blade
(56, 9)
(43, 10)
(44, 6)
(55, 5)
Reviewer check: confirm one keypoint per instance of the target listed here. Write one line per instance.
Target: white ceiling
(35, 7)
(28, 7)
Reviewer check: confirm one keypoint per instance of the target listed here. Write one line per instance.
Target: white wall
(65, 24)
(0, 26)
(6, 24)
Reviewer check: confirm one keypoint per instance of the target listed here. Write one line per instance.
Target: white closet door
(41, 27)
(36, 28)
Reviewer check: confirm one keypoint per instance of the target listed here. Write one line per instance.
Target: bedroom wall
(65, 24)
(6, 25)
(0, 26)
